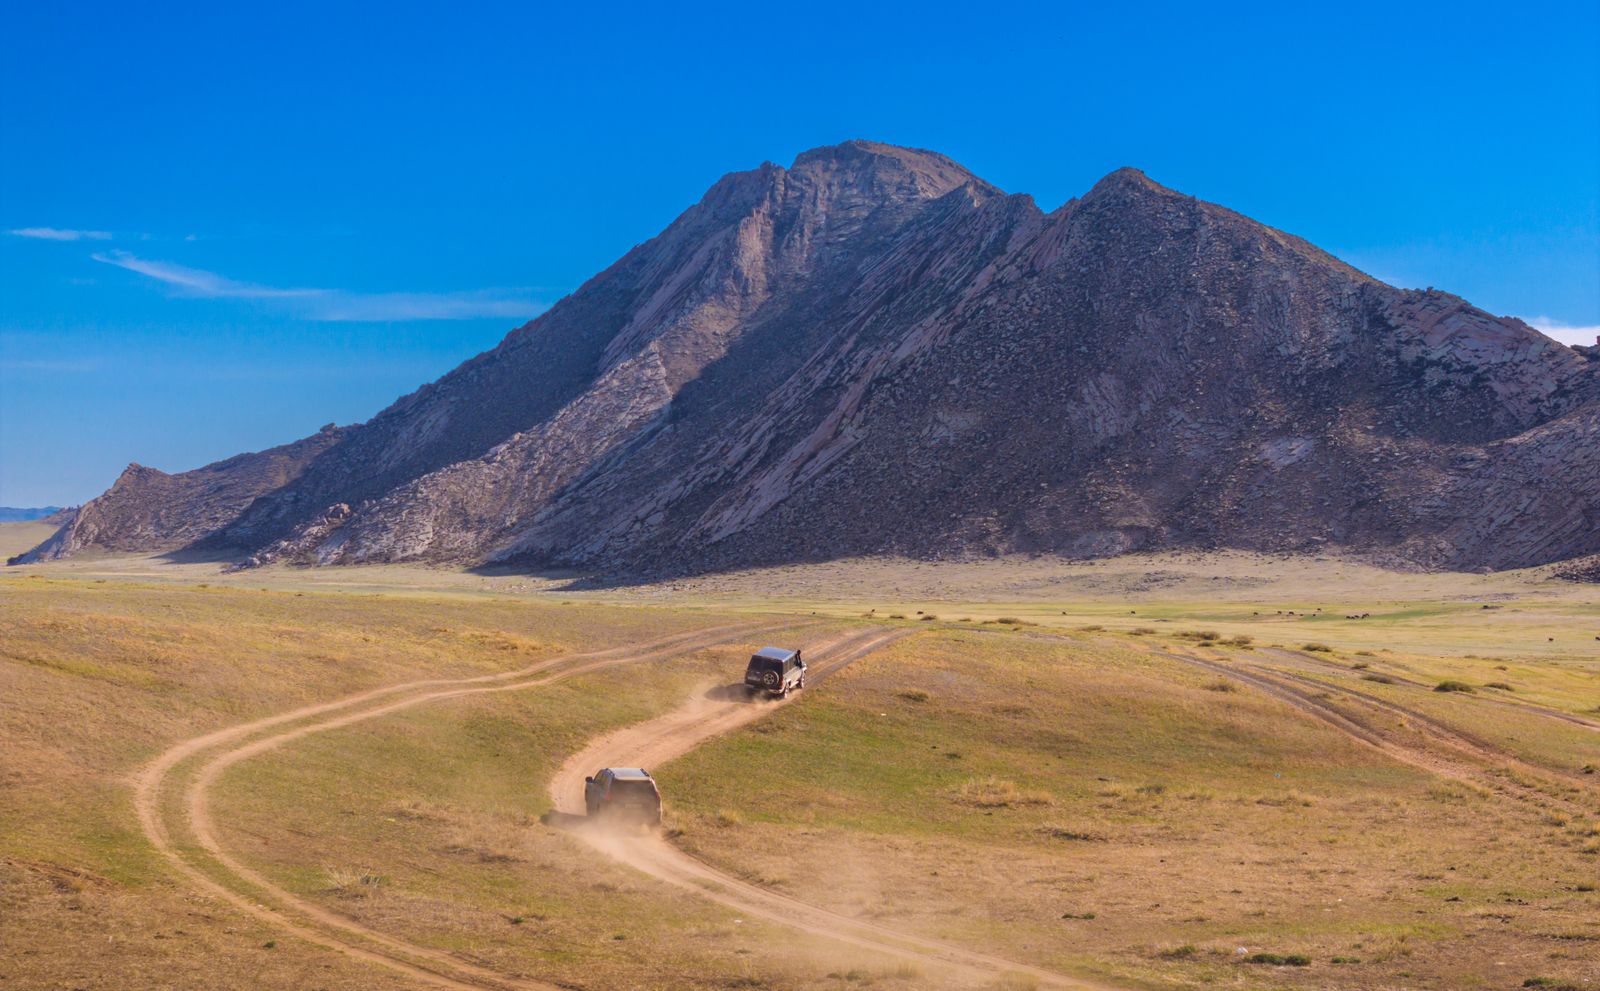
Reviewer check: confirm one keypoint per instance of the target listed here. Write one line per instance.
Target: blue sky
(229, 225)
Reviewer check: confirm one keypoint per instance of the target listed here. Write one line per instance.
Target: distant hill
(876, 351)
(11, 514)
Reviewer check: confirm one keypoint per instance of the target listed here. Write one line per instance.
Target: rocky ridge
(875, 351)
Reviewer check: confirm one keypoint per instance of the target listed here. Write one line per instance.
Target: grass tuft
(998, 793)
(357, 883)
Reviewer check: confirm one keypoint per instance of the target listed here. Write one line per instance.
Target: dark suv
(623, 793)
(775, 671)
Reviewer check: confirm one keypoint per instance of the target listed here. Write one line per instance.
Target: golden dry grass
(98, 678)
(1050, 786)
(1167, 816)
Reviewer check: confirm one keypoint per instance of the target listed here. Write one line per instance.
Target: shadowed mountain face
(876, 351)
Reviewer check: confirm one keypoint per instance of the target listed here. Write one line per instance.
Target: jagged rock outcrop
(876, 351)
(149, 510)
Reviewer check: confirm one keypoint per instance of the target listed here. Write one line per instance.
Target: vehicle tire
(770, 679)
(801, 683)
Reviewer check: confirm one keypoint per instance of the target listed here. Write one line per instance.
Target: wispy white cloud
(59, 234)
(194, 281)
(335, 304)
(508, 303)
(1566, 333)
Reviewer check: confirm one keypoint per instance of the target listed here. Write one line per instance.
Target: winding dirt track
(1435, 747)
(1310, 663)
(174, 791)
(652, 743)
(271, 904)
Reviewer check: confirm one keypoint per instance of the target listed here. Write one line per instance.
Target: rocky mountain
(876, 351)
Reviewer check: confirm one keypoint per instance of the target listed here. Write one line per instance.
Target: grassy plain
(100, 676)
(1047, 771)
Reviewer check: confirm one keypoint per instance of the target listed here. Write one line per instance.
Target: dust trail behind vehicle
(160, 804)
(712, 713)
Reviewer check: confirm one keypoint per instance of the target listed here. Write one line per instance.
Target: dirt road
(160, 792)
(1308, 662)
(1408, 735)
(711, 714)
(172, 801)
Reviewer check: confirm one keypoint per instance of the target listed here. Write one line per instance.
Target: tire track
(1451, 753)
(1303, 659)
(307, 920)
(713, 714)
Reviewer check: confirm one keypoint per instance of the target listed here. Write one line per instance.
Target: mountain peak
(859, 149)
(874, 164)
(1124, 183)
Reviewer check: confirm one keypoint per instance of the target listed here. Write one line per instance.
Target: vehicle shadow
(731, 693)
(564, 820)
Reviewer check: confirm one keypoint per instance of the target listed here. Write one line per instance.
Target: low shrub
(1449, 685)
(1287, 799)
(1075, 835)
(1315, 647)
(1281, 959)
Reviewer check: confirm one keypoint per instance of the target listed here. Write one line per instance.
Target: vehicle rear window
(636, 787)
(765, 664)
